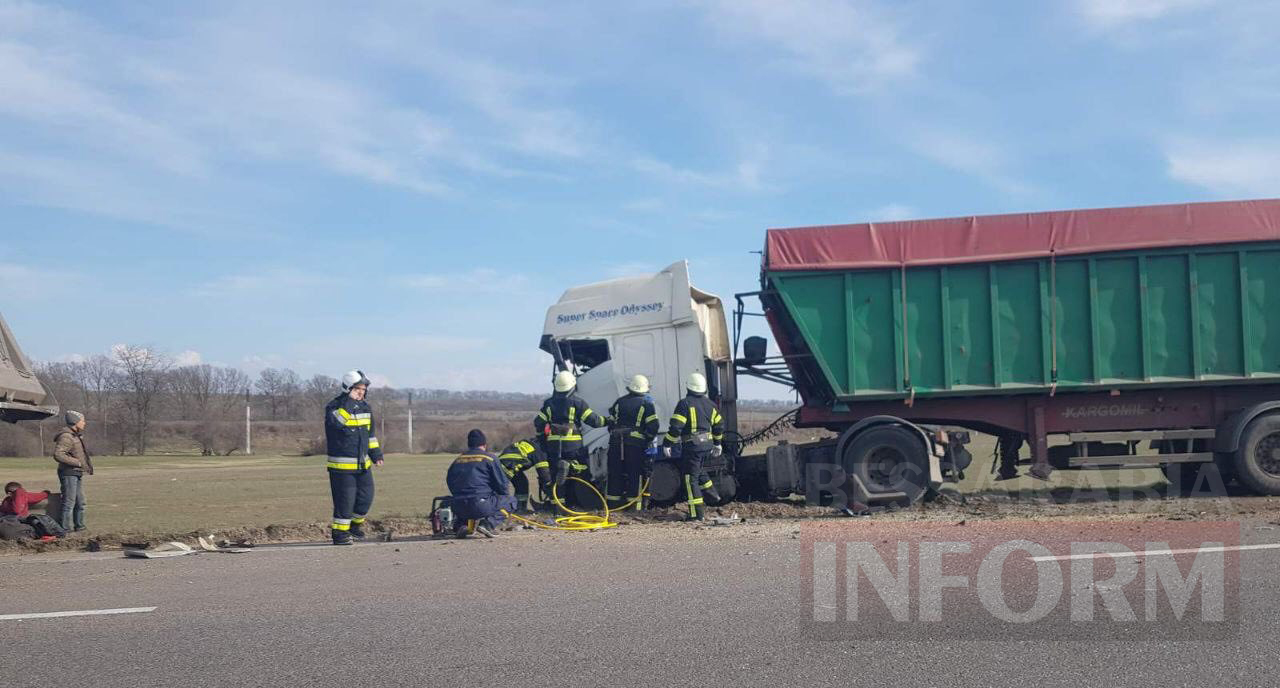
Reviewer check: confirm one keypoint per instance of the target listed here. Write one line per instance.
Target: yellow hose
(578, 520)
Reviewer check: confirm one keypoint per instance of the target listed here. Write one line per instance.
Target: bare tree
(98, 376)
(279, 386)
(142, 377)
(64, 381)
(208, 395)
(317, 392)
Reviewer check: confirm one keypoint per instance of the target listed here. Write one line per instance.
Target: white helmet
(638, 384)
(565, 381)
(353, 378)
(697, 383)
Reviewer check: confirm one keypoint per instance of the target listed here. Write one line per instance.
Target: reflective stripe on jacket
(476, 474)
(695, 423)
(635, 417)
(561, 421)
(348, 430)
(521, 457)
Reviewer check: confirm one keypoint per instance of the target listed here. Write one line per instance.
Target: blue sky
(406, 190)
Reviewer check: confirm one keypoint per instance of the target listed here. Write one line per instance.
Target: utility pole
(410, 422)
(248, 424)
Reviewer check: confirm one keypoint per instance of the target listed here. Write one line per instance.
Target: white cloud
(851, 45)
(476, 280)
(892, 212)
(1113, 13)
(272, 282)
(135, 118)
(16, 278)
(187, 358)
(970, 154)
(633, 269)
(745, 175)
(644, 205)
(527, 371)
(1246, 167)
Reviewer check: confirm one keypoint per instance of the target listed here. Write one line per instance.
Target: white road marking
(88, 612)
(1158, 552)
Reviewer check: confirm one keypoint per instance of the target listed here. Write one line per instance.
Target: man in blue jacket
(353, 451)
(480, 489)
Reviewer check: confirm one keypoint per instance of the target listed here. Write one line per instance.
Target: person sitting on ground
(16, 508)
(18, 502)
(480, 489)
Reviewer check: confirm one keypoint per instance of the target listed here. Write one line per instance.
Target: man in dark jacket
(633, 425)
(697, 427)
(520, 457)
(560, 421)
(74, 463)
(480, 489)
(353, 450)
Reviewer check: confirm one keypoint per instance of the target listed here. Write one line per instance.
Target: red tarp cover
(1018, 236)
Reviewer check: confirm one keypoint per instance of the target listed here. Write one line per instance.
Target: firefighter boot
(710, 494)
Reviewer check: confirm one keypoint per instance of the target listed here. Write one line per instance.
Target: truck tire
(726, 485)
(581, 497)
(1258, 459)
(889, 458)
(664, 484)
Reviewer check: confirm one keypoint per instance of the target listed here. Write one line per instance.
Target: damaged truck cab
(659, 326)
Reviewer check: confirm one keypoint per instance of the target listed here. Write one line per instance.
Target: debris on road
(164, 551)
(210, 547)
(725, 520)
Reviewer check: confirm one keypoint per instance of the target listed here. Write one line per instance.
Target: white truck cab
(659, 326)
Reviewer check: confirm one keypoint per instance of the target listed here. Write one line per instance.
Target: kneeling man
(480, 489)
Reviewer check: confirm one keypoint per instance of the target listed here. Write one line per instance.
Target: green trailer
(1137, 336)
(1187, 316)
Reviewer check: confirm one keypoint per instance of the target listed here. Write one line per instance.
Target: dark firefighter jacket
(636, 418)
(695, 424)
(561, 421)
(476, 473)
(522, 456)
(348, 431)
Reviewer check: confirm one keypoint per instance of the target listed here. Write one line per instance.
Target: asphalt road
(639, 606)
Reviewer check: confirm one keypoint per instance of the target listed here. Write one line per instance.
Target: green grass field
(185, 493)
(174, 494)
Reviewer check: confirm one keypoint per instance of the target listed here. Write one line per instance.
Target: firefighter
(633, 425)
(480, 489)
(697, 427)
(560, 422)
(353, 450)
(520, 457)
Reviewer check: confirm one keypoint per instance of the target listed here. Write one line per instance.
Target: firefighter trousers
(352, 493)
(627, 462)
(695, 480)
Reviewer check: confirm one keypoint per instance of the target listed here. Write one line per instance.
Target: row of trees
(128, 392)
(139, 398)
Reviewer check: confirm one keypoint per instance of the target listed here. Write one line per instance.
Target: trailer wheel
(889, 458)
(1258, 459)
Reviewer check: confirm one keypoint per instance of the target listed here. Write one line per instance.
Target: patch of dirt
(1034, 506)
(271, 534)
